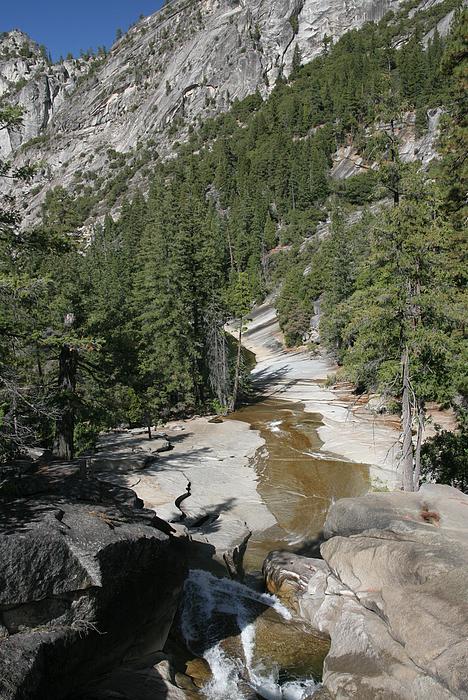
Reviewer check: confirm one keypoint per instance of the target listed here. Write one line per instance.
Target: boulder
(390, 592)
(288, 576)
(222, 540)
(88, 580)
(39, 455)
(123, 452)
(155, 445)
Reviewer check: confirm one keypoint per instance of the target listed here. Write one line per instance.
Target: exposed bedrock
(185, 63)
(202, 485)
(391, 592)
(88, 582)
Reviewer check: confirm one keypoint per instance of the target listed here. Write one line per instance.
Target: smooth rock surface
(348, 162)
(391, 593)
(172, 70)
(204, 485)
(349, 429)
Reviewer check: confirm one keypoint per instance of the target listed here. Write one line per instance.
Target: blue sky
(68, 26)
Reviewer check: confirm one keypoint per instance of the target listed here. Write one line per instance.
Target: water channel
(254, 646)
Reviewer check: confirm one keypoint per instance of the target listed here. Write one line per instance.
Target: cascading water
(253, 647)
(218, 609)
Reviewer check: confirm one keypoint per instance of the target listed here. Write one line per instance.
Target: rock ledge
(390, 592)
(89, 580)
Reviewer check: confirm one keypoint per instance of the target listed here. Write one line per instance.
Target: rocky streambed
(137, 573)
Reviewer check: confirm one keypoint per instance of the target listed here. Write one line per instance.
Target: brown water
(297, 481)
(254, 651)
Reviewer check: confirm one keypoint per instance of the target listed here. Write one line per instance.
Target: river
(272, 468)
(252, 643)
(254, 646)
(296, 479)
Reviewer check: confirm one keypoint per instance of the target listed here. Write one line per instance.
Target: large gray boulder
(391, 592)
(88, 580)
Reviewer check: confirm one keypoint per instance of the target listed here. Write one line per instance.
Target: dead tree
(65, 424)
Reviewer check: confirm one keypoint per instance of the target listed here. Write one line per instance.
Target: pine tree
(412, 69)
(296, 59)
(403, 327)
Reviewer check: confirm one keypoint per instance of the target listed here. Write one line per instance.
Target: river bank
(206, 472)
(349, 430)
(216, 468)
(389, 588)
(222, 494)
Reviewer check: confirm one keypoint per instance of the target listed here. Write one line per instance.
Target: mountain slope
(170, 72)
(238, 211)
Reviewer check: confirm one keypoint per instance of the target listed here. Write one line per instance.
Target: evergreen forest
(129, 328)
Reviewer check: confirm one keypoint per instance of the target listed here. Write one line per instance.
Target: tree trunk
(396, 174)
(417, 453)
(65, 426)
(217, 361)
(407, 480)
(235, 390)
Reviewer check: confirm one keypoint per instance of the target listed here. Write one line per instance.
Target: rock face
(348, 162)
(390, 591)
(169, 72)
(87, 581)
(28, 79)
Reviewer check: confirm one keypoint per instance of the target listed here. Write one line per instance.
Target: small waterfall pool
(248, 639)
(251, 643)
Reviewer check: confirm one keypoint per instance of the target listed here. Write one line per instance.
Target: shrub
(444, 459)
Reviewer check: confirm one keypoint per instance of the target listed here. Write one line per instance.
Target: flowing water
(253, 646)
(297, 481)
(241, 634)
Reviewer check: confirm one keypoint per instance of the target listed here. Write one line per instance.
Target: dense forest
(130, 328)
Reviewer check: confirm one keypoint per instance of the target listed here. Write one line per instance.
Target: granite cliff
(170, 72)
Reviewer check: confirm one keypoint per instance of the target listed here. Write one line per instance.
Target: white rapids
(206, 600)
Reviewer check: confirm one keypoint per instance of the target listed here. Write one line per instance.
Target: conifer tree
(239, 302)
(402, 332)
(296, 59)
(412, 68)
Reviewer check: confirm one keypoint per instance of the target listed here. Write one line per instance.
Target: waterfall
(210, 606)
